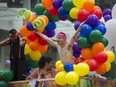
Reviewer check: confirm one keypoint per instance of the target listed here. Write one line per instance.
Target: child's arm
(75, 35)
(50, 41)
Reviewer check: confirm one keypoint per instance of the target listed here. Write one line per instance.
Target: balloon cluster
(5, 76)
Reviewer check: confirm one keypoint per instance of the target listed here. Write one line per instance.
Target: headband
(61, 36)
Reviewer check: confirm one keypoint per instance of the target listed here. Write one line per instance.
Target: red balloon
(41, 41)
(83, 14)
(33, 36)
(52, 11)
(101, 57)
(97, 12)
(92, 64)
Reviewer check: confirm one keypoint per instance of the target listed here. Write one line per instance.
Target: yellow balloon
(27, 49)
(78, 3)
(60, 78)
(35, 55)
(111, 56)
(72, 78)
(73, 13)
(61, 67)
(108, 66)
(58, 63)
(82, 69)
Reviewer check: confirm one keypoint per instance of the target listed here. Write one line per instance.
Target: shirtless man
(64, 48)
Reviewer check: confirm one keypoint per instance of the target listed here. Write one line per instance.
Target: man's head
(13, 34)
(61, 38)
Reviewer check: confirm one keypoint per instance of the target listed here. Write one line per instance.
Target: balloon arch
(91, 41)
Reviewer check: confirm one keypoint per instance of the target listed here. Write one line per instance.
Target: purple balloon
(57, 4)
(107, 12)
(76, 55)
(49, 33)
(77, 24)
(107, 17)
(29, 26)
(63, 18)
(92, 20)
(76, 48)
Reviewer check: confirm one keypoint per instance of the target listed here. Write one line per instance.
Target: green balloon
(104, 41)
(47, 14)
(71, 19)
(84, 42)
(55, 18)
(7, 75)
(39, 9)
(3, 84)
(32, 63)
(67, 5)
(95, 36)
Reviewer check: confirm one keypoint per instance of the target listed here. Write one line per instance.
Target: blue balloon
(107, 12)
(101, 28)
(29, 26)
(85, 30)
(107, 17)
(68, 67)
(49, 33)
(62, 12)
(77, 24)
(51, 26)
(79, 35)
(92, 20)
(57, 4)
(63, 18)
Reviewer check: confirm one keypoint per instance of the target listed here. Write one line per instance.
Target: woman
(45, 70)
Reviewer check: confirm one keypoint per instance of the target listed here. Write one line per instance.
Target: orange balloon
(33, 45)
(24, 31)
(87, 53)
(27, 40)
(97, 47)
(97, 7)
(101, 69)
(47, 3)
(46, 18)
(33, 16)
(42, 49)
(41, 30)
(88, 5)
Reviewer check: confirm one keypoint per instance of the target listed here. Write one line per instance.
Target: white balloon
(114, 11)
(111, 33)
(102, 20)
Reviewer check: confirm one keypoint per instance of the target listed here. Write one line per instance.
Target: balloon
(43, 49)
(92, 20)
(33, 36)
(68, 67)
(51, 26)
(24, 31)
(54, 18)
(101, 69)
(95, 36)
(107, 17)
(108, 66)
(59, 76)
(3, 84)
(47, 14)
(27, 40)
(76, 48)
(41, 41)
(78, 60)
(67, 5)
(33, 45)
(63, 18)
(61, 67)
(45, 18)
(114, 11)
(85, 30)
(101, 28)
(35, 55)
(97, 47)
(82, 69)
(27, 49)
(72, 78)
(58, 63)
(46, 3)
(71, 19)
(78, 3)
(107, 12)
(32, 63)
(111, 56)
(39, 9)
(57, 4)
(62, 12)
(52, 11)
(104, 41)
(73, 12)
(97, 12)
(87, 53)
(49, 33)
(82, 15)
(93, 65)
(84, 42)
(101, 57)
(77, 24)
(29, 26)
(88, 5)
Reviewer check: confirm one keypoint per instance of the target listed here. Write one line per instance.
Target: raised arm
(75, 34)
(49, 40)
